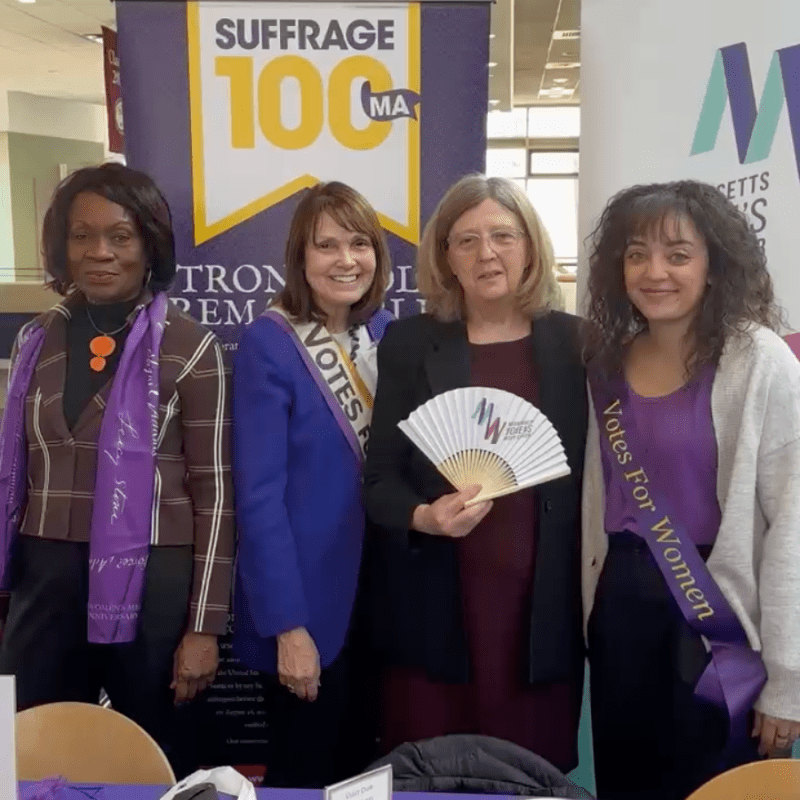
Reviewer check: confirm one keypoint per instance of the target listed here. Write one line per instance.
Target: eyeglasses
(500, 239)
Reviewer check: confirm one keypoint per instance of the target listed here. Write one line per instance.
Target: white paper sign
(8, 750)
(375, 785)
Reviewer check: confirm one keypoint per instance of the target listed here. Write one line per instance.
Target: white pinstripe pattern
(220, 493)
(154, 515)
(168, 415)
(173, 403)
(37, 404)
(201, 348)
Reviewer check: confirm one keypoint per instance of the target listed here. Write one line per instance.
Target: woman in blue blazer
(304, 379)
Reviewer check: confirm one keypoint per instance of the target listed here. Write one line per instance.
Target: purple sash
(735, 675)
(352, 425)
(13, 447)
(126, 458)
(793, 340)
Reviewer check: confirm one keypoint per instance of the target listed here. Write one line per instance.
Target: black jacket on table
(411, 586)
(467, 764)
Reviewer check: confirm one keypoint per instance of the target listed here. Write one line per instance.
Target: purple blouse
(680, 430)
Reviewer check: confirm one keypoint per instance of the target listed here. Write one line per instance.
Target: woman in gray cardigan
(691, 516)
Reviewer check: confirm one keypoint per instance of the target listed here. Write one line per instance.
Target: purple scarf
(126, 459)
(735, 675)
(13, 446)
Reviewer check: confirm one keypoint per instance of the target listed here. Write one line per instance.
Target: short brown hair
(352, 211)
(538, 289)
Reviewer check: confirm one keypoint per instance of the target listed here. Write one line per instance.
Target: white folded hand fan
(489, 437)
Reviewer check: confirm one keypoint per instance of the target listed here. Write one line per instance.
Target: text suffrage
(305, 34)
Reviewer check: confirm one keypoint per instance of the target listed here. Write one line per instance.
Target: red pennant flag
(116, 138)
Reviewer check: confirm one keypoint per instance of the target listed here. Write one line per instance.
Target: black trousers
(45, 646)
(653, 739)
(312, 745)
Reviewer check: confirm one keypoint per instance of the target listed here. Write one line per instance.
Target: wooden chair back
(82, 742)
(774, 779)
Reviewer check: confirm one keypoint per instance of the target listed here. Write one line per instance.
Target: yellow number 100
(239, 69)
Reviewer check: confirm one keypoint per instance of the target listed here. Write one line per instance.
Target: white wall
(64, 119)
(569, 293)
(41, 116)
(6, 230)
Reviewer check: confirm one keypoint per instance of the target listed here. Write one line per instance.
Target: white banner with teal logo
(707, 90)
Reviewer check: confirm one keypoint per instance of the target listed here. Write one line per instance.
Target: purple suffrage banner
(235, 108)
(390, 98)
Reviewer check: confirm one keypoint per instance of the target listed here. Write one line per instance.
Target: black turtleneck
(82, 381)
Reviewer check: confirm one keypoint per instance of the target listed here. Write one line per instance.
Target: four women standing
(692, 464)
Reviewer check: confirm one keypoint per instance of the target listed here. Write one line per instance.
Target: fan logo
(494, 427)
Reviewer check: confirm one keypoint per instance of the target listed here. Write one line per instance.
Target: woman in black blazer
(477, 610)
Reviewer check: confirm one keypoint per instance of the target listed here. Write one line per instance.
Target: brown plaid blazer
(193, 498)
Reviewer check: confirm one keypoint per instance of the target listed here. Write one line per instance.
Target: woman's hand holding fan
(490, 438)
(450, 516)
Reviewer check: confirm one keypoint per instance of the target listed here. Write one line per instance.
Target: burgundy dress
(497, 563)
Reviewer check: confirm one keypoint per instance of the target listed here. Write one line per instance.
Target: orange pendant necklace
(102, 345)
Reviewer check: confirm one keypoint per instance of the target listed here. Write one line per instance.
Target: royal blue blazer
(299, 512)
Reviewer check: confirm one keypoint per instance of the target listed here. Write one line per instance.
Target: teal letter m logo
(731, 79)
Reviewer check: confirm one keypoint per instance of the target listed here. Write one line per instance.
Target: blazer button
(594, 562)
(548, 506)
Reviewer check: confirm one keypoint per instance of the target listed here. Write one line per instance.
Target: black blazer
(412, 596)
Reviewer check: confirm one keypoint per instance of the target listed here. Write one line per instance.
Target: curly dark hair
(134, 191)
(740, 289)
